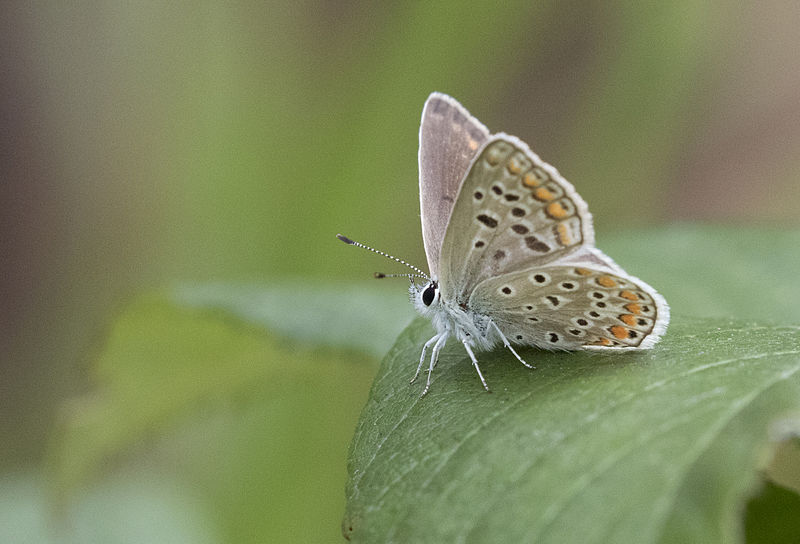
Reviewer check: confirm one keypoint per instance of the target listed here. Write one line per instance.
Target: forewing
(573, 307)
(513, 212)
(449, 139)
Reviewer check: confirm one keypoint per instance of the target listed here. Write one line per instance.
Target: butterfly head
(426, 297)
(430, 294)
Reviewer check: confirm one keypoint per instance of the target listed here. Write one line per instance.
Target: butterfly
(510, 249)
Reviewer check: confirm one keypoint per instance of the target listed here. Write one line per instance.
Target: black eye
(428, 294)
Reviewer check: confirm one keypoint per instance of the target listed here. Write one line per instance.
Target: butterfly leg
(422, 357)
(475, 364)
(507, 344)
(437, 347)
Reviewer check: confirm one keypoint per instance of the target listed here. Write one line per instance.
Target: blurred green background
(149, 144)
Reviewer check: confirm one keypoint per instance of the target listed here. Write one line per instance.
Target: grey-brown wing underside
(573, 306)
(449, 139)
(513, 212)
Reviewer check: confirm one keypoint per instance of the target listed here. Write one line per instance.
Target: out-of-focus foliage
(148, 144)
(248, 429)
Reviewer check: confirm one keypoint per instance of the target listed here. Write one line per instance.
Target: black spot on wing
(520, 229)
(534, 244)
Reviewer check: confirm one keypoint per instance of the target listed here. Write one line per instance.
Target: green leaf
(656, 446)
(242, 423)
(354, 316)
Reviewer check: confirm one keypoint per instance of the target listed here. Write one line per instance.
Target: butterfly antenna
(350, 242)
(381, 275)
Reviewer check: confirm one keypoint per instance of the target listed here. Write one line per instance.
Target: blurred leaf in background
(148, 144)
(249, 429)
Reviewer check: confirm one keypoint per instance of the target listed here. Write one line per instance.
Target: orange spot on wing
(563, 234)
(530, 180)
(606, 281)
(619, 331)
(629, 295)
(628, 319)
(633, 308)
(602, 342)
(513, 167)
(556, 210)
(543, 195)
(583, 271)
(473, 145)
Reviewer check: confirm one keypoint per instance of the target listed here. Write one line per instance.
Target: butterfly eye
(428, 294)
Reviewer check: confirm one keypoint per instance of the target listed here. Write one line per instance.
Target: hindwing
(572, 307)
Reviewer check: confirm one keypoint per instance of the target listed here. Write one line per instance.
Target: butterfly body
(510, 249)
(451, 319)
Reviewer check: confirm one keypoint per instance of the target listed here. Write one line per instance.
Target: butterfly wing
(513, 212)
(449, 139)
(519, 243)
(572, 306)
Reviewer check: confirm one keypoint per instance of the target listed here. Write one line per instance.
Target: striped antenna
(419, 272)
(381, 275)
